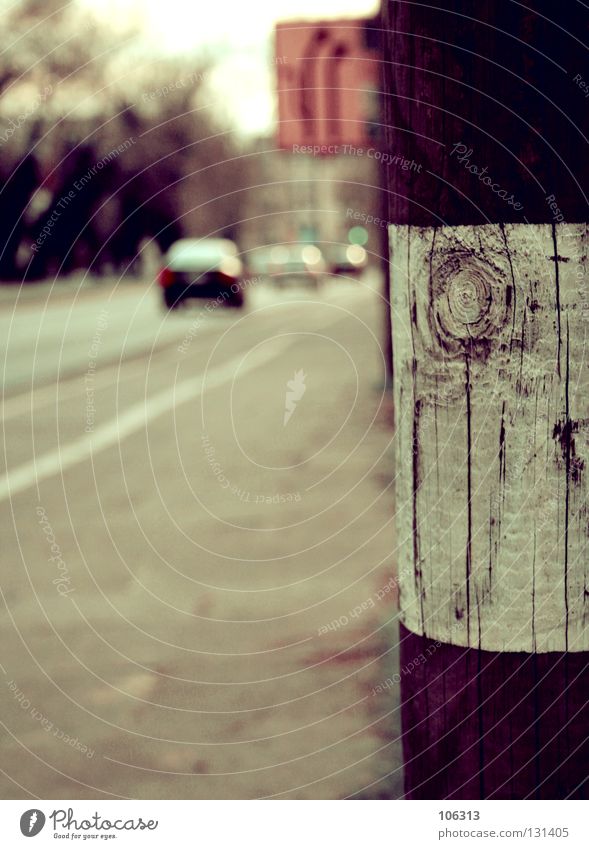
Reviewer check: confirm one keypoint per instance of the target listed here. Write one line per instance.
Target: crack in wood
(481, 479)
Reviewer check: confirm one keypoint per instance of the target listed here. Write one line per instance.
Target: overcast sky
(242, 32)
(181, 25)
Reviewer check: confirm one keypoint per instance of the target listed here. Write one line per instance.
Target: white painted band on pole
(491, 384)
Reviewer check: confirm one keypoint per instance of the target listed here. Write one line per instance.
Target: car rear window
(198, 255)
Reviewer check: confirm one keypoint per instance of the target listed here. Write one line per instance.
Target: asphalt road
(196, 567)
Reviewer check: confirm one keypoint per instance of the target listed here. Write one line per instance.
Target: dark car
(202, 268)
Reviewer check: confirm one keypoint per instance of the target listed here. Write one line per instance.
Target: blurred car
(346, 259)
(290, 263)
(201, 268)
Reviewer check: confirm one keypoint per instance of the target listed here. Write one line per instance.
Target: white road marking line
(65, 390)
(72, 385)
(130, 421)
(138, 415)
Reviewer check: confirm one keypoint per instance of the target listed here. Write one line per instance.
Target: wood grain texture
(490, 308)
(491, 387)
(493, 725)
(502, 78)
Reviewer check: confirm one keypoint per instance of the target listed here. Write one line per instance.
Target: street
(197, 585)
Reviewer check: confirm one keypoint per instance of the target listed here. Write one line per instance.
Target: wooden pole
(490, 310)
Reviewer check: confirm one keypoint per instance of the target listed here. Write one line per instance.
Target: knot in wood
(469, 301)
(469, 298)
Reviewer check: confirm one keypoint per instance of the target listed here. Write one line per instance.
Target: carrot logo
(32, 822)
(295, 389)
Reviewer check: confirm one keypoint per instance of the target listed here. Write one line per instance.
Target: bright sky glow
(239, 34)
(180, 25)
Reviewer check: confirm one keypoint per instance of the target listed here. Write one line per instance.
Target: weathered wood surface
(490, 99)
(493, 725)
(492, 434)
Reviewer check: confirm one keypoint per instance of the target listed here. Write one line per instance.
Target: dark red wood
(505, 79)
(494, 725)
(499, 77)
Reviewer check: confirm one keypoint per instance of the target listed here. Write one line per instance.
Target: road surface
(197, 595)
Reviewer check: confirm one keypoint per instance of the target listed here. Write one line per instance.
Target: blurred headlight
(230, 266)
(311, 255)
(356, 254)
